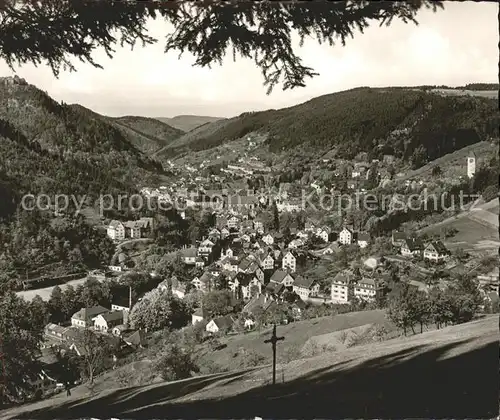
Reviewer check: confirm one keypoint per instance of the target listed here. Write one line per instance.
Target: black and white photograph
(249, 209)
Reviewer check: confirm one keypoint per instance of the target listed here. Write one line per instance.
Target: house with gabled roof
(249, 285)
(205, 248)
(275, 289)
(222, 324)
(116, 230)
(282, 277)
(289, 261)
(199, 262)
(198, 315)
(412, 247)
(267, 263)
(106, 321)
(268, 239)
(135, 339)
(324, 233)
(230, 264)
(346, 236)
(305, 287)
(436, 251)
(189, 255)
(84, 317)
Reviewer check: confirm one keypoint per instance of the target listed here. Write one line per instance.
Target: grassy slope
(188, 122)
(297, 334)
(477, 228)
(451, 373)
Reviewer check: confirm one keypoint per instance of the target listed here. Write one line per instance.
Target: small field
(447, 373)
(47, 291)
(296, 335)
(477, 229)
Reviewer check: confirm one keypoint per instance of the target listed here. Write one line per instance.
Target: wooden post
(273, 340)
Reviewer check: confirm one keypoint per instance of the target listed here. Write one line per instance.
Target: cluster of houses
(132, 229)
(260, 267)
(111, 324)
(413, 247)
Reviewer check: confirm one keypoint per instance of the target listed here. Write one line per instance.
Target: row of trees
(408, 307)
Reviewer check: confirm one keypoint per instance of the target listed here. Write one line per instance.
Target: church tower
(471, 164)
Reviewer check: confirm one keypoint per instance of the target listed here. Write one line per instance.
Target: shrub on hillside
(176, 363)
(490, 192)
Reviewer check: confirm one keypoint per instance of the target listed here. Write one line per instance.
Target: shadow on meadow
(415, 382)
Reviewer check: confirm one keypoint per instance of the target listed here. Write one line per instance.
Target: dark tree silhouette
(54, 31)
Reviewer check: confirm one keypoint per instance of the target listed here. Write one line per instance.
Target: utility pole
(273, 340)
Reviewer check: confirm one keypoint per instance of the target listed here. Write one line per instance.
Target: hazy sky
(454, 46)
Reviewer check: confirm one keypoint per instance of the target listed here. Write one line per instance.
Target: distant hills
(188, 122)
(55, 148)
(404, 122)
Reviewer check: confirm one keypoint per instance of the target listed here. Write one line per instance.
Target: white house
(305, 287)
(83, 318)
(268, 239)
(471, 165)
(345, 236)
(365, 289)
(289, 261)
(197, 283)
(340, 288)
(233, 222)
(116, 230)
(221, 324)
(282, 277)
(106, 321)
(197, 316)
(412, 247)
(436, 252)
(268, 262)
(323, 233)
(205, 247)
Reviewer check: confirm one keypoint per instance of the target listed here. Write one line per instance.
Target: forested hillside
(188, 122)
(411, 124)
(150, 134)
(56, 149)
